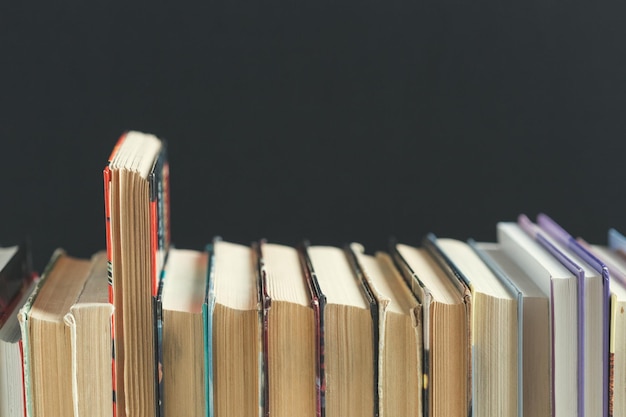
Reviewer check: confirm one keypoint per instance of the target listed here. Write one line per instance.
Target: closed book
(65, 326)
(348, 347)
(446, 313)
(533, 329)
(556, 280)
(399, 382)
(233, 341)
(183, 294)
(136, 190)
(493, 329)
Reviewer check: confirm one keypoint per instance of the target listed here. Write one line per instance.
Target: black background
(332, 121)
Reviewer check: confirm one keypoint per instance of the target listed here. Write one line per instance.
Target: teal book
(231, 332)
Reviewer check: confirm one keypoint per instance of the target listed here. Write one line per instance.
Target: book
(533, 312)
(183, 295)
(136, 195)
(595, 311)
(65, 326)
(89, 322)
(617, 329)
(233, 356)
(399, 335)
(556, 280)
(17, 280)
(290, 333)
(493, 328)
(446, 308)
(348, 349)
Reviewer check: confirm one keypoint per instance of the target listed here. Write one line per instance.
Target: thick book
(533, 314)
(16, 284)
(89, 323)
(290, 333)
(232, 342)
(446, 309)
(493, 328)
(136, 195)
(399, 355)
(183, 294)
(595, 315)
(556, 280)
(65, 326)
(348, 344)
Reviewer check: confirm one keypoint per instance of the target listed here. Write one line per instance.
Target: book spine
(21, 346)
(107, 215)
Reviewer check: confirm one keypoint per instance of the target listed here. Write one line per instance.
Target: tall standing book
(347, 345)
(493, 329)
(137, 231)
(533, 329)
(16, 283)
(557, 281)
(65, 327)
(446, 306)
(183, 294)
(231, 314)
(290, 334)
(399, 335)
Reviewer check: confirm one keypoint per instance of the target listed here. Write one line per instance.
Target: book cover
(378, 308)
(265, 303)
(208, 307)
(318, 303)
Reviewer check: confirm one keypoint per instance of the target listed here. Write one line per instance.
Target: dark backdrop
(336, 122)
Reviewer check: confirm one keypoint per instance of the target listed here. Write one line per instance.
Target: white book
(554, 279)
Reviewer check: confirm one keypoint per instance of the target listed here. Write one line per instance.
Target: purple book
(596, 294)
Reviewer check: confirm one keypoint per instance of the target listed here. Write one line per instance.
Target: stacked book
(532, 324)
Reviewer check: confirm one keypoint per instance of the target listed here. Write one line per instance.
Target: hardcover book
(348, 350)
(533, 329)
(493, 329)
(183, 294)
(290, 333)
(233, 340)
(399, 335)
(595, 315)
(65, 326)
(556, 280)
(136, 198)
(446, 313)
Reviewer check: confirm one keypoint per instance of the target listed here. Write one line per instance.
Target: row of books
(517, 327)
(532, 324)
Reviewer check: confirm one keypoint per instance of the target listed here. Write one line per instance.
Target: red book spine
(107, 214)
